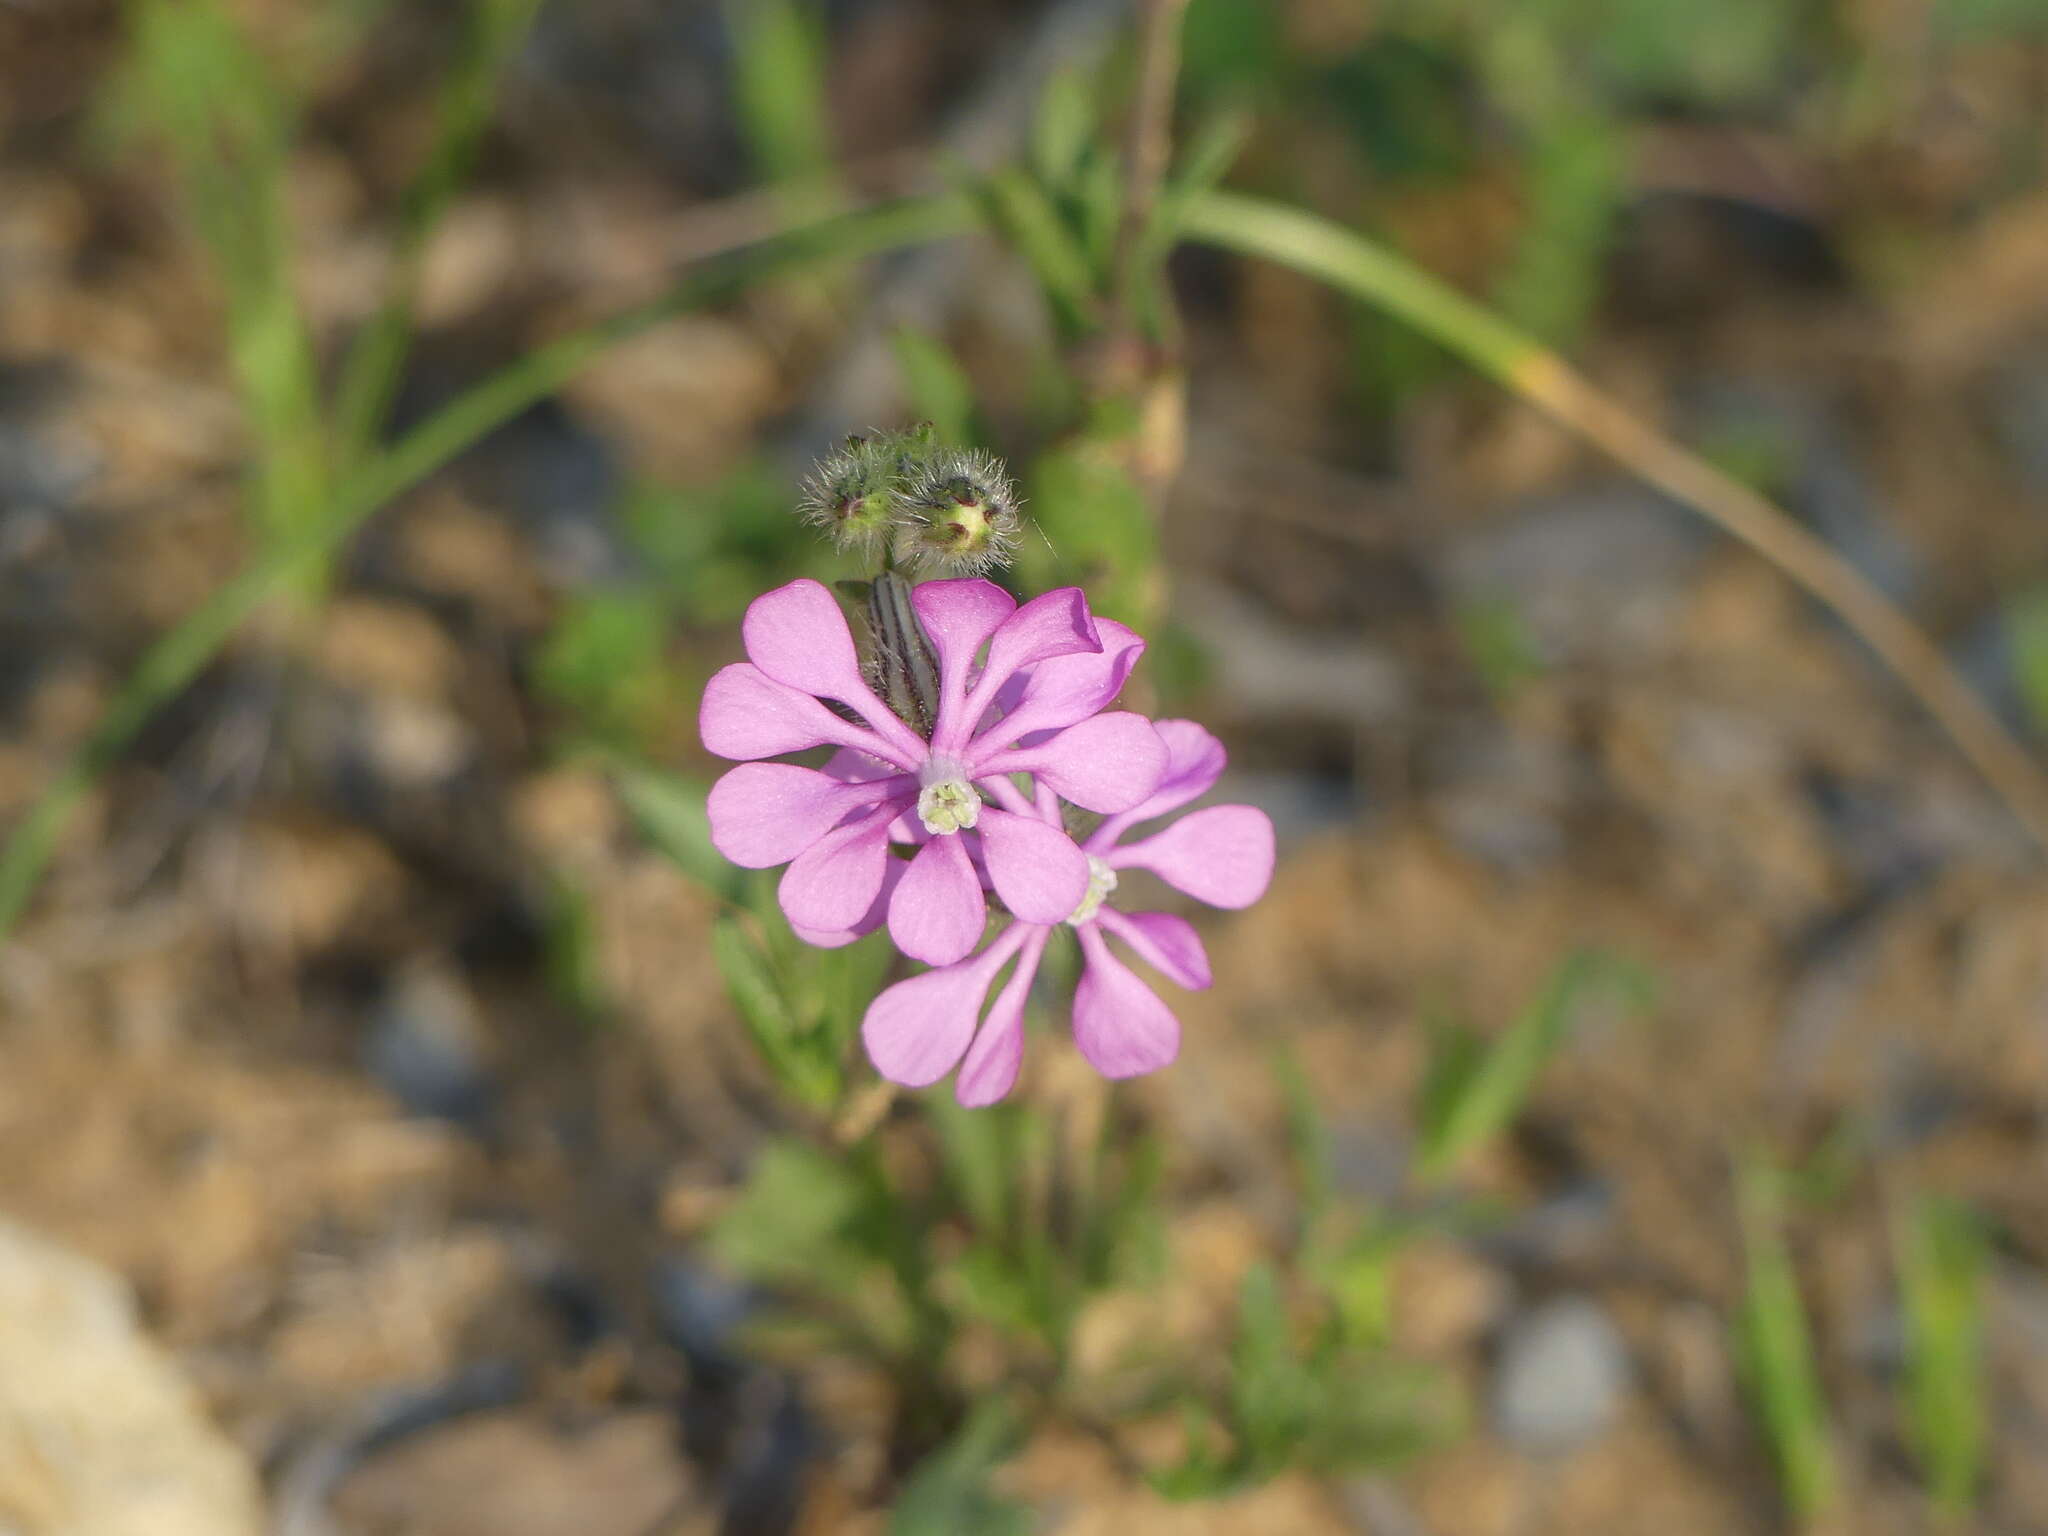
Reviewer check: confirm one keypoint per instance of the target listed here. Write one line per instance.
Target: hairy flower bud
(854, 494)
(959, 516)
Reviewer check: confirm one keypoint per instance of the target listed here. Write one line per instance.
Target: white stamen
(1101, 881)
(947, 803)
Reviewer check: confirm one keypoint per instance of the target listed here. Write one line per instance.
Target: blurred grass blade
(196, 79)
(1774, 1351)
(1308, 1139)
(1510, 357)
(1943, 1253)
(375, 360)
(175, 659)
(938, 387)
(948, 1494)
(669, 810)
(1473, 1090)
(1019, 211)
(780, 82)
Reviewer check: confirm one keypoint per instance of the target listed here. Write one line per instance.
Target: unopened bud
(959, 518)
(853, 495)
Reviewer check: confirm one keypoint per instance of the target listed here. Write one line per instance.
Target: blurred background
(1625, 1112)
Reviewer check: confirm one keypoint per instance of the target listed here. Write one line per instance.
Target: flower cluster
(931, 510)
(1018, 727)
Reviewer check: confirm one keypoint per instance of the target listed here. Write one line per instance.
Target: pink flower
(918, 1030)
(833, 828)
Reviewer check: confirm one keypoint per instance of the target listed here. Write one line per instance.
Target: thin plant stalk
(376, 359)
(1534, 373)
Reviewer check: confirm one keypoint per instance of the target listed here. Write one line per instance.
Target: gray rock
(1562, 1371)
(99, 1433)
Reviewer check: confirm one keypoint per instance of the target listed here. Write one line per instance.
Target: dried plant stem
(1327, 251)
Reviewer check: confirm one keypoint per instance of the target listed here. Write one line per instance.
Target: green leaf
(789, 1221)
(1943, 1253)
(669, 810)
(978, 1150)
(780, 85)
(2026, 630)
(937, 385)
(1774, 1351)
(604, 658)
(1473, 1091)
(948, 1493)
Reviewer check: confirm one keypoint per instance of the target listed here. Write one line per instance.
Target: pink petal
(1221, 854)
(1064, 690)
(1035, 868)
(959, 616)
(797, 636)
(832, 883)
(1120, 1024)
(746, 714)
(1167, 943)
(764, 814)
(839, 938)
(1052, 624)
(938, 911)
(856, 767)
(990, 1070)
(1194, 762)
(1108, 763)
(916, 1030)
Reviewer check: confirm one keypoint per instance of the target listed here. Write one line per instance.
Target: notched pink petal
(917, 1030)
(764, 814)
(1120, 1024)
(989, 1071)
(746, 714)
(1109, 763)
(1052, 624)
(959, 616)
(1164, 941)
(1221, 854)
(797, 635)
(1194, 762)
(1036, 869)
(1065, 690)
(832, 883)
(938, 911)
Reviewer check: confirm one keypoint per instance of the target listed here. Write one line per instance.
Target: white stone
(99, 1433)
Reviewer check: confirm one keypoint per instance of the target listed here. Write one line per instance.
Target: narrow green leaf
(938, 387)
(1473, 1092)
(669, 810)
(791, 1217)
(1774, 1352)
(948, 1494)
(1943, 1254)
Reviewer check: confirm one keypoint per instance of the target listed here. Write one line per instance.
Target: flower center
(1101, 881)
(947, 803)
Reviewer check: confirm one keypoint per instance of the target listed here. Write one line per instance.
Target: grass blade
(1774, 1351)
(375, 360)
(1943, 1252)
